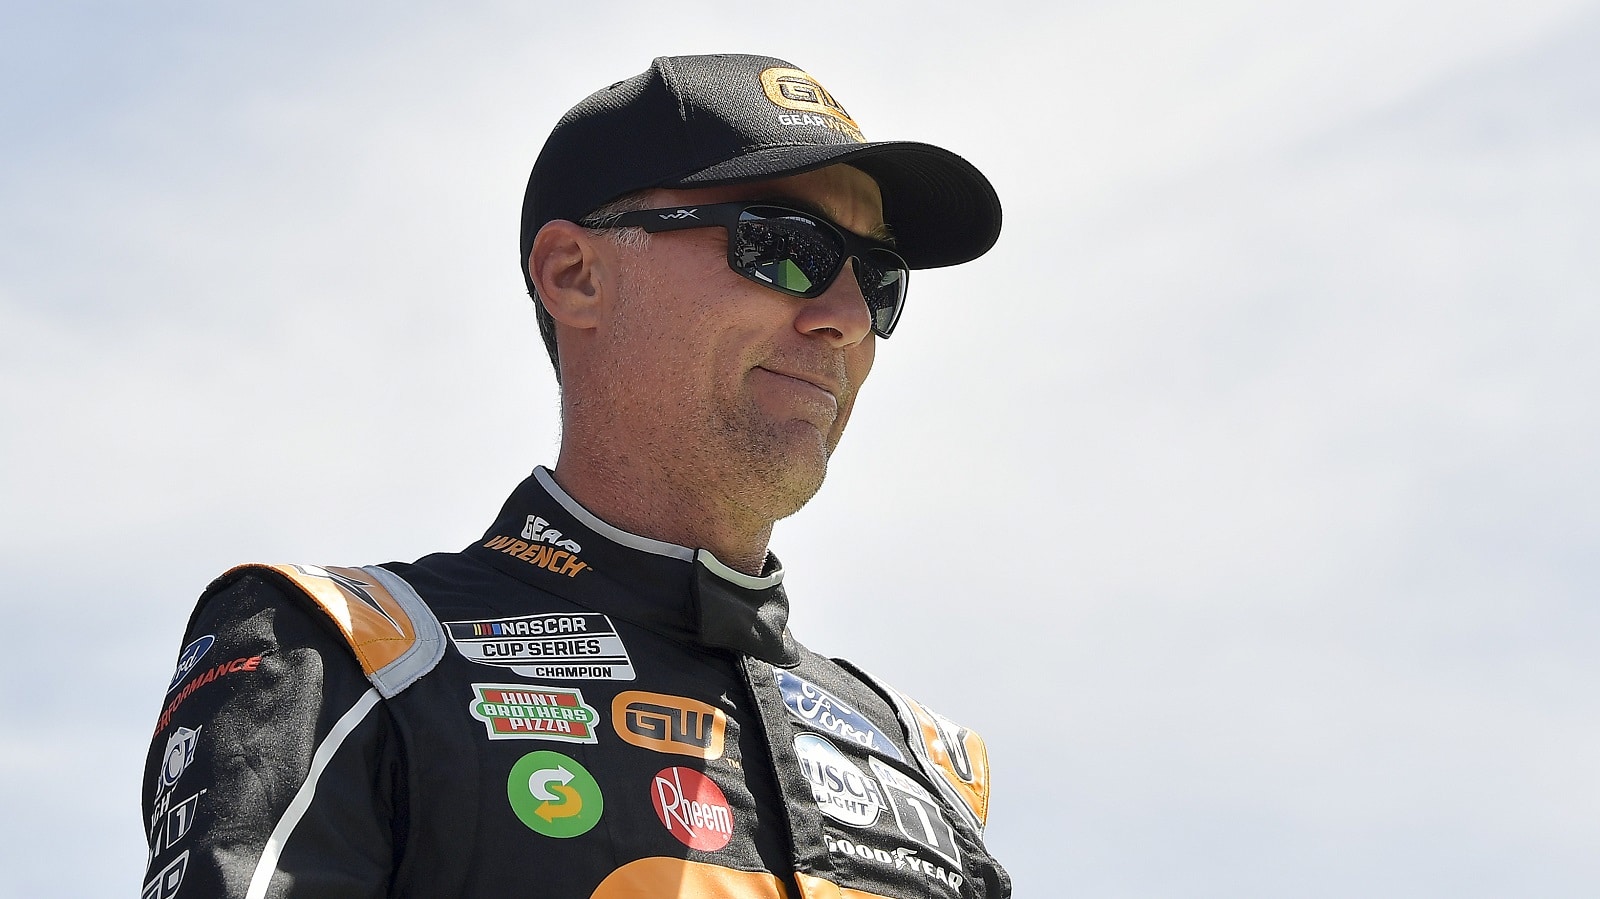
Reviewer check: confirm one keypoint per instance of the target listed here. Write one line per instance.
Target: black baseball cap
(698, 121)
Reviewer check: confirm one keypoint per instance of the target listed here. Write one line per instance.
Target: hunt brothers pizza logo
(524, 712)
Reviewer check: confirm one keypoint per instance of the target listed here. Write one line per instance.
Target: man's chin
(792, 495)
(791, 473)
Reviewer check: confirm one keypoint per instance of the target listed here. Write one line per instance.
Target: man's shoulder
(955, 753)
(380, 618)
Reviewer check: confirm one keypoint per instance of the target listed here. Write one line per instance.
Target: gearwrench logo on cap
(794, 89)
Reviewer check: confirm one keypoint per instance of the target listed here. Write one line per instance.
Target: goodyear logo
(809, 101)
(674, 724)
(903, 859)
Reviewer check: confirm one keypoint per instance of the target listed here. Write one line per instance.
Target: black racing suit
(563, 710)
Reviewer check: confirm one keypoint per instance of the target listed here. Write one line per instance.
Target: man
(600, 698)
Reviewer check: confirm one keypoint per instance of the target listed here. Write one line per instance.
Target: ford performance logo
(820, 710)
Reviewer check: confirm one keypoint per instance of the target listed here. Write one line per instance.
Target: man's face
(728, 386)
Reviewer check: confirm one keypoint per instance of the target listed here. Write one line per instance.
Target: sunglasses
(793, 252)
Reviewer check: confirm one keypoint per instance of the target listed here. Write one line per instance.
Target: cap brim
(940, 208)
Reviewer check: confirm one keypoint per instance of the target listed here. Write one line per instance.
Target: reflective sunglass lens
(789, 253)
(787, 275)
(883, 283)
(878, 275)
(798, 255)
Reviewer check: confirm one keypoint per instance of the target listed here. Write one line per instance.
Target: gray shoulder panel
(424, 653)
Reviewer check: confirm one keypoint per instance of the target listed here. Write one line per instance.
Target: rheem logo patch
(692, 808)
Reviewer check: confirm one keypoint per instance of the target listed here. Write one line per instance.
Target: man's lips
(821, 382)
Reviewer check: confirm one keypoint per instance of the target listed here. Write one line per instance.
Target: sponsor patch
(527, 712)
(244, 663)
(562, 645)
(169, 821)
(553, 558)
(189, 658)
(165, 885)
(916, 813)
(692, 808)
(540, 531)
(843, 791)
(554, 795)
(178, 756)
(675, 724)
(794, 89)
(954, 738)
(818, 709)
(902, 858)
(957, 753)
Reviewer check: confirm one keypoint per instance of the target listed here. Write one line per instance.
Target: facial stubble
(707, 441)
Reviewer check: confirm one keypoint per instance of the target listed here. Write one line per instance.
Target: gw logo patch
(675, 724)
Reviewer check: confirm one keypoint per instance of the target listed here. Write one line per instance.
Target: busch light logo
(189, 658)
(820, 710)
(842, 791)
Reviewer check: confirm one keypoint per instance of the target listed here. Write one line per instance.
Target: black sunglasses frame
(729, 215)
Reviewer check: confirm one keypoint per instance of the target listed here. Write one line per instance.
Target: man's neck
(653, 505)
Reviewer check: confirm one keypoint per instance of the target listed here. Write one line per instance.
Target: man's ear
(567, 268)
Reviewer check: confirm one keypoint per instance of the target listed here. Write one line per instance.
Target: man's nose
(841, 313)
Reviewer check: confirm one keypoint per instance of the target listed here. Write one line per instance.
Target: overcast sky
(1244, 496)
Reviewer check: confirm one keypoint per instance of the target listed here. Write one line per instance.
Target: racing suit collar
(682, 593)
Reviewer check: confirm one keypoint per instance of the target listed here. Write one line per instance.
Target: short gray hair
(628, 237)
